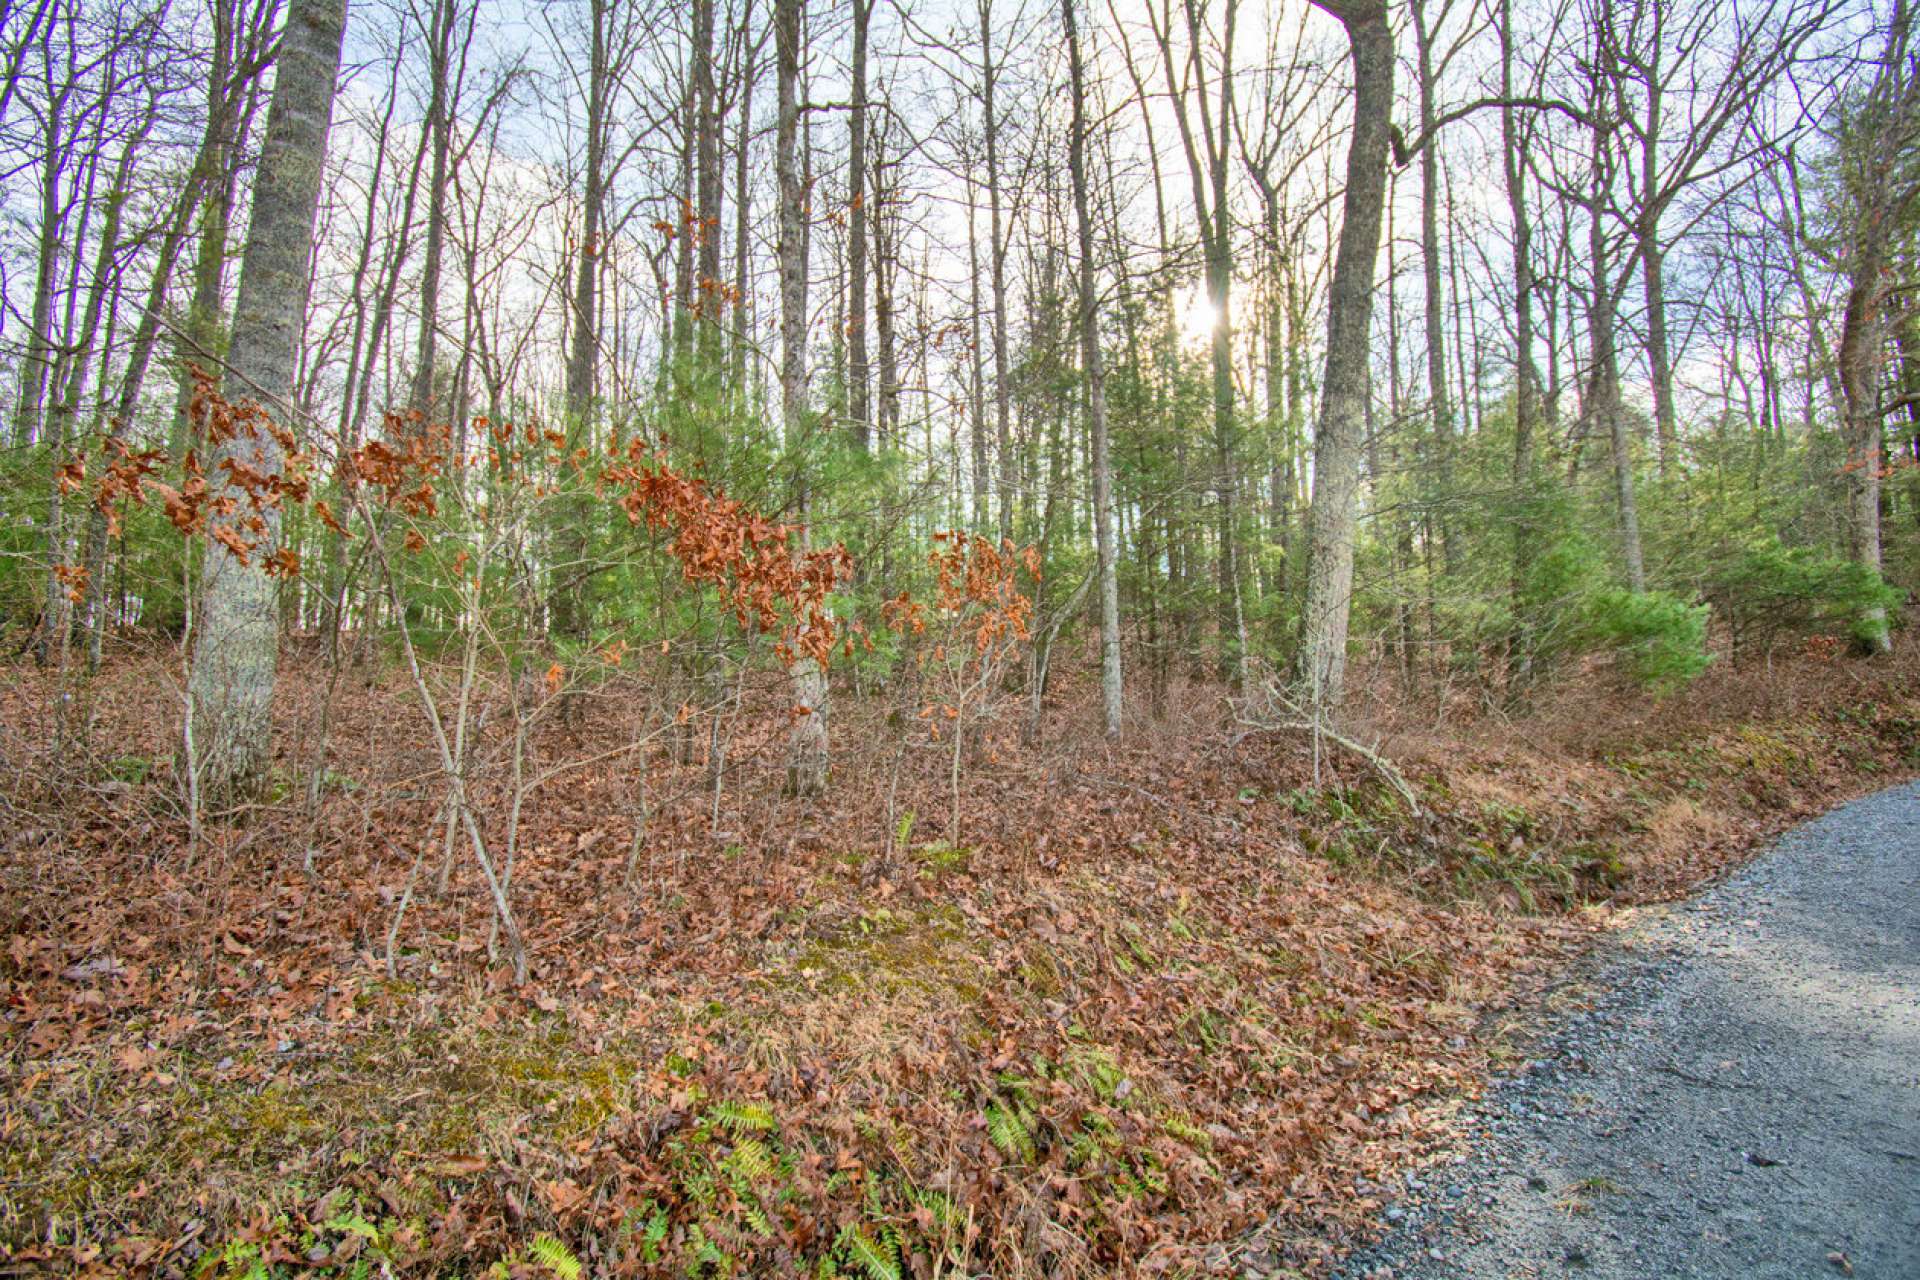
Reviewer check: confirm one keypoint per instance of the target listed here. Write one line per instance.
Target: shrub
(1771, 589)
(1661, 637)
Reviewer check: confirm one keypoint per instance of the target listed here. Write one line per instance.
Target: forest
(899, 637)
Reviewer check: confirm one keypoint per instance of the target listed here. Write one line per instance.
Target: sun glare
(1198, 315)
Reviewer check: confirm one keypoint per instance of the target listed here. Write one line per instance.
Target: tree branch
(1404, 151)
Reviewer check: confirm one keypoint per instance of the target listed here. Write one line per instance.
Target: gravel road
(1731, 1090)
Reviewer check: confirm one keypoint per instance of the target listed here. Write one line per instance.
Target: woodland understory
(894, 638)
(1167, 1007)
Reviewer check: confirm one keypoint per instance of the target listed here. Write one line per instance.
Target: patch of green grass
(134, 770)
(940, 858)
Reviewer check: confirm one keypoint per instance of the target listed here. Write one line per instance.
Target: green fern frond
(1009, 1129)
(750, 1159)
(757, 1218)
(876, 1259)
(352, 1224)
(555, 1257)
(741, 1117)
(651, 1219)
(1084, 1149)
(938, 1203)
(1188, 1132)
(706, 1252)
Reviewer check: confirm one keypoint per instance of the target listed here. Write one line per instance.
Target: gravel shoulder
(1732, 1089)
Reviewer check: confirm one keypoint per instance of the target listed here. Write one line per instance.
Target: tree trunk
(36, 365)
(139, 356)
(1525, 377)
(1340, 439)
(742, 338)
(58, 615)
(857, 374)
(982, 497)
(439, 127)
(1439, 409)
(232, 677)
(200, 341)
(1603, 407)
(807, 749)
(569, 611)
(1860, 357)
(886, 282)
(707, 287)
(1094, 369)
(997, 266)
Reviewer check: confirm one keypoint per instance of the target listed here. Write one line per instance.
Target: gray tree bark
(707, 289)
(1094, 369)
(569, 603)
(807, 752)
(997, 268)
(1439, 407)
(236, 642)
(442, 21)
(1340, 438)
(1883, 190)
(858, 409)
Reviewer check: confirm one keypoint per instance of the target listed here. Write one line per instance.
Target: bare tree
(237, 640)
(807, 756)
(1095, 373)
(1878, 143)
(1341, 435)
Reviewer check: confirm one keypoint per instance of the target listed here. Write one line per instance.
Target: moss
(890, 952)
(235, 1120)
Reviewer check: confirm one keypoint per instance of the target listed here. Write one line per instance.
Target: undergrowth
(1153, 1006)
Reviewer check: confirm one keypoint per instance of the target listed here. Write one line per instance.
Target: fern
(707, 1252)
(741, 1117)
(1083, 1150)
(1011, 1130)
(756, 1217)
(750, 1159)
(555, 1257)
(654, 1237)
(354, 1225)
(937, 1203)
(1188, 1132)
(877, 1259)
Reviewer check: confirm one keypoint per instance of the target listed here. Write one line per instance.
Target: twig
(1319, 729)
(1387, 770)
(400, 911)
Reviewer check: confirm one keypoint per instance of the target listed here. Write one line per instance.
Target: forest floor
(1732, 1092)
(1159, 1009)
